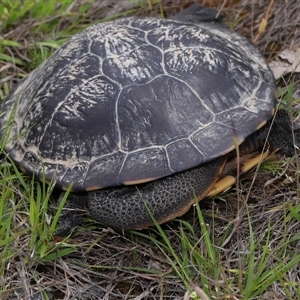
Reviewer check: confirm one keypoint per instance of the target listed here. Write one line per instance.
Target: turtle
(138, 116)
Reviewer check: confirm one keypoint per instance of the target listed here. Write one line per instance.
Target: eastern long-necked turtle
(143, 112)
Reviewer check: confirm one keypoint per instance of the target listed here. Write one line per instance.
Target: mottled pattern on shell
(136, 99)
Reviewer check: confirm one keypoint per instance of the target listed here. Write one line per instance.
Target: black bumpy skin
(282, 134)
(125, 207)
(277, 134)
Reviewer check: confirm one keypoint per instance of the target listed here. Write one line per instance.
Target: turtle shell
(134, 100)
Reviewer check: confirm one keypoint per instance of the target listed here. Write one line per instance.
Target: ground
(243, 244)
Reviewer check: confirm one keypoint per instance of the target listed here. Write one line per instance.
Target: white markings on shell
(80, 101)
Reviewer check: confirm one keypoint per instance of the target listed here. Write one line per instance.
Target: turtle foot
(71, 215)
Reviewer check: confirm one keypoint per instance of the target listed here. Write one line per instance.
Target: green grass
(252, 270)
(44, 18)
(215, 254)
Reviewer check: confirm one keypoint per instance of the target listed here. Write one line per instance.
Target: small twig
(263, 23)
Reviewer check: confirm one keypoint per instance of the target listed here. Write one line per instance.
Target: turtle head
(198, 14)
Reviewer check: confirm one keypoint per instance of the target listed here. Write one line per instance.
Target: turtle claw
(68, 221)
(71, 215)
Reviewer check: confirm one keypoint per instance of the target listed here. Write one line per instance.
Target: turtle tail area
(276, 135)
(128, 207)
(281, 134)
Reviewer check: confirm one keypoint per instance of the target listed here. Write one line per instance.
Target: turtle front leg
(126, 207)
(72, 213)
(167, 198)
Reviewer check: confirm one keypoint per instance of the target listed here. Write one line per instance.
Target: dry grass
(110, 265)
